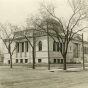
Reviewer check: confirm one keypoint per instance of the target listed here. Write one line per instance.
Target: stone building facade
(23, 53)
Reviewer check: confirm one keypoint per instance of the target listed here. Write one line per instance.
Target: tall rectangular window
(40, 46)
(61, 47)
(54, 46)
(75, 50)
(85, 50)
(22, 46)
(57, 46)
(17, 46)
(27, 46)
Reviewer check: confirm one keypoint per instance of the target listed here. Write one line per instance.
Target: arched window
(40, 46)
(54, 46)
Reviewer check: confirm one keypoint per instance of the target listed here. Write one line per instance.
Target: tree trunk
(33, 54)
(10, 61)
(64, 68)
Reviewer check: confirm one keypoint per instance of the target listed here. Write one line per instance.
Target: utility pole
(33, 51)
(83, 52)
(48, 48)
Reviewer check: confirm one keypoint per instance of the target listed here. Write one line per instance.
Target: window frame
(16, 60)
(21, 60)
(39, 60)
(26, 60)
(22, 46)
(40, 46)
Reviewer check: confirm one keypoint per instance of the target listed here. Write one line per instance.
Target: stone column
(25, 48)
(16, 51)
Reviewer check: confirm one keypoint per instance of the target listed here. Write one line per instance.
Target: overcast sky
(16, 11)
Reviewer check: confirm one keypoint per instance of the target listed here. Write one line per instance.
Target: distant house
(23, 53)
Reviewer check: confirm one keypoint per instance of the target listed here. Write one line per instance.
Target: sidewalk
(69, 69)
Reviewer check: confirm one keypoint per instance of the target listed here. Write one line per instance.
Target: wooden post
(83, 52)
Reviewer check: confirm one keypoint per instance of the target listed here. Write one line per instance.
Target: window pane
(39, 60)
(26, 60)
(22, 46)
(58, 60)
(40, 46)
(27, 46)
(61, 47)
(21, 60)
(61, 60)
(54, 60)
(54, 46)
(57, 46)
(8, 61)
(17, 46)
(16, 60)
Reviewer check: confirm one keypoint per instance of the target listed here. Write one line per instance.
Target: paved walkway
(84, 85)
(69, 69)
(81, 86)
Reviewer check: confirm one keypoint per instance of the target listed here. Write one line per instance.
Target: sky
(16, 11)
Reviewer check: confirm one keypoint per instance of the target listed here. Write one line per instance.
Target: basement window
(8, 61)
(26, 60)
(54, 60)
(58, 60)
(61, 60)
(16, 60)
(21, 60)
(39, 60)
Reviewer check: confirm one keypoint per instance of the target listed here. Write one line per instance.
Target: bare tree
(7, 36)
(63, 31)
(29, 33)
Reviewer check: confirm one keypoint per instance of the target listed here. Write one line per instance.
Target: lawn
(21, 77)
